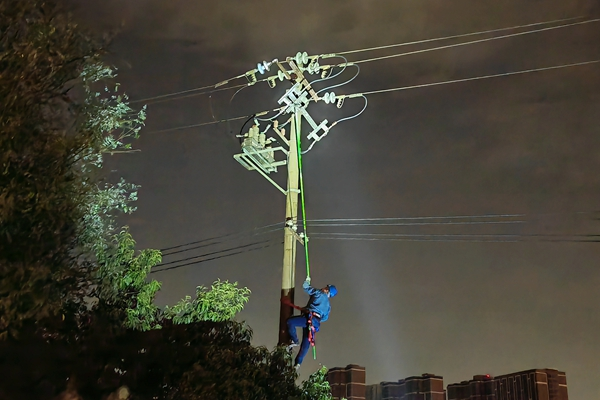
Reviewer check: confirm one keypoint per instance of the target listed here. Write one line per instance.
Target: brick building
(534, 384)
(481, 387)
(424, 387)
(347, 382)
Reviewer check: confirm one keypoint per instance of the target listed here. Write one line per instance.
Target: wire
(344, 66)
(177, 95)
(214, 252)
(421, 223)
(456, 36)
(236, 234)
(434, 238)
(398, 89)
(428, 217)
(472, 78)
(392, 235)
(213, 258)
(211, 122)
(338, 121)
(220, 242)
(343, 83)
(476, 41)
(353, 116)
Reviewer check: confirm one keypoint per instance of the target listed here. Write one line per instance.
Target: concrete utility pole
(258, 154)
(288, 281)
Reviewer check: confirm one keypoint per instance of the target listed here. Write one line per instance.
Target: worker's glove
(307, 280)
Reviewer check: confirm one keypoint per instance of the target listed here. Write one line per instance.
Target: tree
(60, 245)
(221, 303)
(56, 211)
(316, 387)
(40, 186)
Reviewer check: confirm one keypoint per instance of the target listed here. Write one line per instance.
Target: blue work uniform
(319, 306)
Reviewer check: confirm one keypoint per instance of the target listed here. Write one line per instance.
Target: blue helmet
(332, 290)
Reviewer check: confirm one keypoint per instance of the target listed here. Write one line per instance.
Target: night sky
(526, 144)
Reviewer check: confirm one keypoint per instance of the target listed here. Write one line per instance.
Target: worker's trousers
(301, 321)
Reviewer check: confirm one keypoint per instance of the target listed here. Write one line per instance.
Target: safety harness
(311, 328)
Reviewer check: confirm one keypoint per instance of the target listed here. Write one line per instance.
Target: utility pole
(288, 281)
(258, 154)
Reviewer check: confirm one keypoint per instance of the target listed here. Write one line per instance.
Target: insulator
(324, 74)
(260, 68)
(329, 98)
(313, 67)
(267, 65)
(305, 57)
(340, 102)
(280, 75)
(298, 58)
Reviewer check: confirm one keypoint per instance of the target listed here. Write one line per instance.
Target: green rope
(304, 216)
(303, 206)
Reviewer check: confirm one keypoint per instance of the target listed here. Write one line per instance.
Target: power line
(214, 252)
(215, 86)
(177, 95)
(492, 235)
(234, 237)
(315, 222)
(419, 223)
(214, 258)
(234, 234)
(479, 219)
(164, 98)
(465, 238)
(456, 36)
(424, 85)
(475, 41)
(423, 217)
(471, 79)
(406, 87)
(211, 122)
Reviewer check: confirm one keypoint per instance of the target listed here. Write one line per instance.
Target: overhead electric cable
(422, 217)
(475, 41)
(212, 122)
(434, 239)
(315, 225)
(216, 86)
(470, 79)
(492, 235)
(212, 253)
(213, 258)
(236, 237)
(457, 36)
(234, 234)
(394, 90)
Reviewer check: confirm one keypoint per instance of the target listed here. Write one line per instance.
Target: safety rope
(303, 204)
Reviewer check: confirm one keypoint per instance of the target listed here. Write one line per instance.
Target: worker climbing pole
(259, 155)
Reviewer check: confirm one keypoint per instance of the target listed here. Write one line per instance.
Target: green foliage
(122, 284)
(41, 183)
(56, 214)
(222, 302)
(205, 360)
(316, 387)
